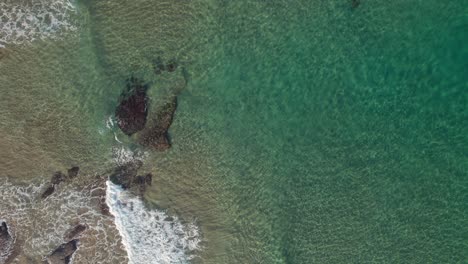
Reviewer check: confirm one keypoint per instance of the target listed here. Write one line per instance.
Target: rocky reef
(126, 176)
(132, 109)
(64, 253)
(58, 178)
(157, 136)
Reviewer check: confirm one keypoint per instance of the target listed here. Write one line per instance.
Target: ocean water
(309, 131)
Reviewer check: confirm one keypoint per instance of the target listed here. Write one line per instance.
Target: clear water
(310, 132)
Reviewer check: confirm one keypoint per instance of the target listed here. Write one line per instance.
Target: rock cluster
(126, 176)
(57, 178)
(157, 137)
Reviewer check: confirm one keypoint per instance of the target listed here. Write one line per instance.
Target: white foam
(150, 236)
(41, 224)
(25, 21)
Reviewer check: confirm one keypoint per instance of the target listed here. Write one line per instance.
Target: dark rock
(73, 172)
(50, 190)
(124, 175)
(6, 241)
(149, 178)
(4, 230)
(76, 231)
(157, 137)
(133, 107)
(64, 253)
(57, 178)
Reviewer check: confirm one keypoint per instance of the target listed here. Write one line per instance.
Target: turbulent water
(306, 131)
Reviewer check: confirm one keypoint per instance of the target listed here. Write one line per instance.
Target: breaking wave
(24, 21)
(150, 236)
(38, 226)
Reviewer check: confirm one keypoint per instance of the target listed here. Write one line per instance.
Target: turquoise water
(310, 132)
(347, 129)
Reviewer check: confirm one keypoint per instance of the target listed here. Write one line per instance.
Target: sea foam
(25, 21)
(38, 226)
(150, 236)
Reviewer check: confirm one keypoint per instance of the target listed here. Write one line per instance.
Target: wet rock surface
(5, 237)
(49, 191)
(6, 241)
(64, 253)
(157, 137)
(132, 110)
(75, 232)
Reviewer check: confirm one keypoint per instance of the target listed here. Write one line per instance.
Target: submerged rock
(143, 181)
(124, 175)
(355, 3)
(157, 137)
(57, 178)
(73, 172)
(159, 66)
(76, 231)
(133, 107)
(64, 253)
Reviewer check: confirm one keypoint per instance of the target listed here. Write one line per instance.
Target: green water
(310, 132)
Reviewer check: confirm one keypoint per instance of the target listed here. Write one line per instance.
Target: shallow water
(309, 131)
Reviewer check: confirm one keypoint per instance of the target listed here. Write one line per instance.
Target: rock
(64, 253)
(355, 3)
(76, 231)
(73, 172)
(133, 107)
(50, 190)
(157, 137)
(124, 175)
(105, 210)
(57, 178)
(6, 242)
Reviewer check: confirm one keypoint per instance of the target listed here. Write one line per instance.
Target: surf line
(148, 235)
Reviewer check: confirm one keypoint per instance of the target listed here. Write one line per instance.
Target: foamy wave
(40, 225)
(150, 236)
(24, 21)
